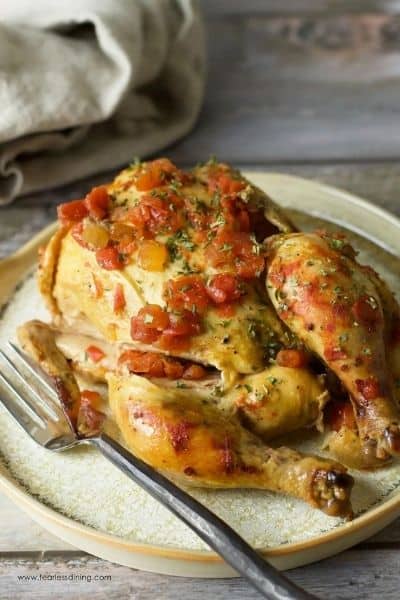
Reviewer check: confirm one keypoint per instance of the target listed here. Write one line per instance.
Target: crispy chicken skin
(334, 306)
(156, 286)
(190, 439)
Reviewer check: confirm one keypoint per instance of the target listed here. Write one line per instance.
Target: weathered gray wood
(354, 575)
(18, 533)
(282, 7)
(311, 86)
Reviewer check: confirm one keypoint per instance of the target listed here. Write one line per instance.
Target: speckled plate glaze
(84, 500)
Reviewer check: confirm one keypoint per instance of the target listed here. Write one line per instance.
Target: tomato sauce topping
(155, 174)
(236, 251)
(98, 202)
(293, 358)
(72, 212)
(186, 293)
(225, 287)
(89, 412)
(109, 258)
(153, 215)
(223, 181)
(95, 353)
(182, 326)
(148, 325)
(157, 365)
(119, 301)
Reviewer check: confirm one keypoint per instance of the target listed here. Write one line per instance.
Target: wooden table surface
(301, 86)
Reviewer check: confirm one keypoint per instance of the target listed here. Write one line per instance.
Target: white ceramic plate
(88, 503)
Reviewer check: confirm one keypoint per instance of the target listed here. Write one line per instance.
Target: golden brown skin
(188, 438)
(212, 434)
(191, 437)
(328, 300)
(278, 400)
(38, 340)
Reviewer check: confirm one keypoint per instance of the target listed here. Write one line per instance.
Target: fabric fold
(86, 85)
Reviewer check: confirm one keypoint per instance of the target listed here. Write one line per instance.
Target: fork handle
(210, 528)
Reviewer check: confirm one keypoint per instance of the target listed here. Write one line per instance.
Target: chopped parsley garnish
(336, 244)
(186, 269)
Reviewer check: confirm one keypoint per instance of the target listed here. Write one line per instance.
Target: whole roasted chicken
(218, 329)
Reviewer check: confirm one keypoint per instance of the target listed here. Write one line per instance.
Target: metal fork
(28, 395)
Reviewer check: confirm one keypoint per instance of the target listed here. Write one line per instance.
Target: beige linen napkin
(86, 85)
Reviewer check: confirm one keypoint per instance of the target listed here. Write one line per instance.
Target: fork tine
(34, 370)
(26, 416)
(41, 407)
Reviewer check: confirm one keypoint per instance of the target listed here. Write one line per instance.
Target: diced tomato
(91, 398)
(148, 180)
(225, 183)
(290, 357)
(194, 372)
(119, 298)
(109, 258)
(76, 233)
(332, 353)
(224, 287)
(198, 216)
(181, 328)
(367, 311)
(72, 212)
(156, 365)
(95, 353)
(185, 323)
(149, 323)
(340, 414)
(155, 174)
(148, 363)
(154, 215)
(238, 251)
(97, 202)
(187, 292)
(235, 213)
(173, 369)
(90, 418)
(369, 388)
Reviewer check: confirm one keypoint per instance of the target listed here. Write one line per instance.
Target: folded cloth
(86, 85)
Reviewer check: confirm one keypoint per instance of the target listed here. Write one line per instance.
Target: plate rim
(22, 260)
